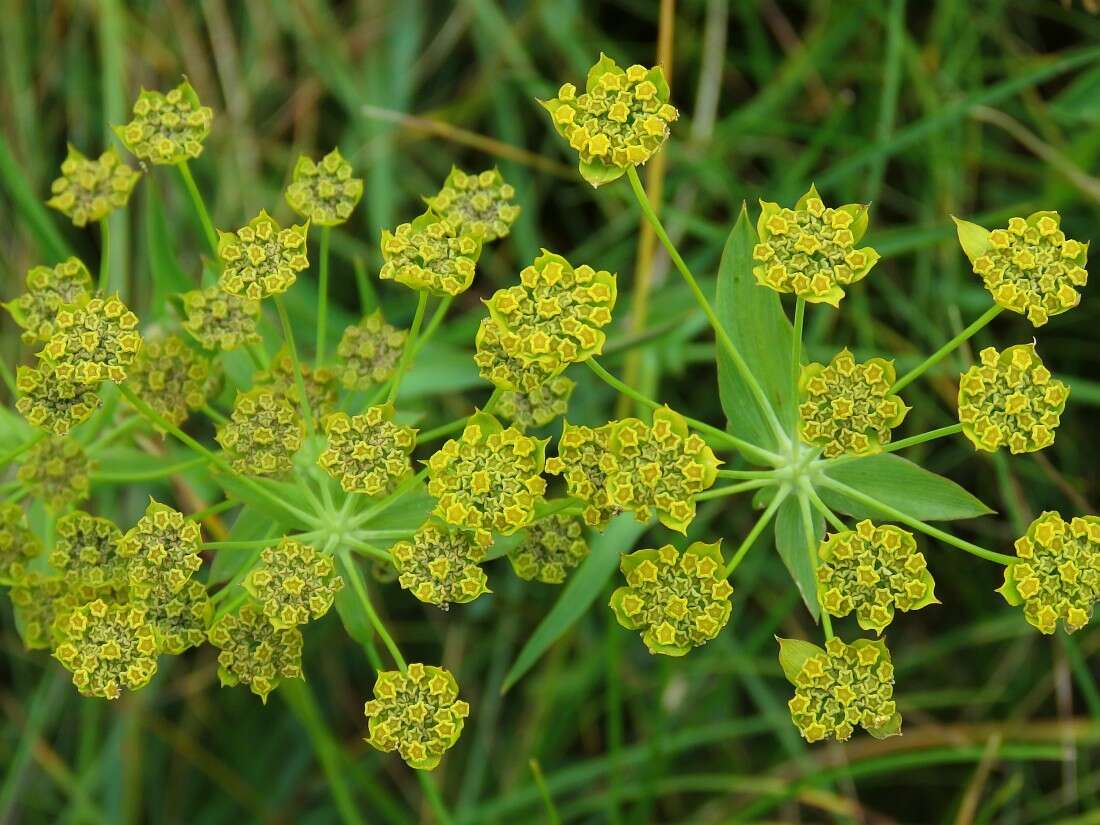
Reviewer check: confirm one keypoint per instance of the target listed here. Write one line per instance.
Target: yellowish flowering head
(367, 453)
(107, 647)
(167, 127)
(621, 119)
(873, 570)
(1010, 398)
(416, 713)
(1057, 577)
(171, 378)
(39, 601)
(49, 289)
(87, 551)
(94, 340)
(498, 360)
(89, 190)
(18, 545)
(47, 401)
(552, 546)
(584, 459)
(439, 565)
(255, 652)
(368, 352)
(179, 619)
(430, 254)
(840, 687)
(263, 433)
(261, 258)
(219, 320)
(811, 250)
(293, 583)
(538, 407)
(1030, 266)
(162, 550)
(319, 383)
(489, 479)
(478, 205)
(846, 407)
(57, 470)
(324, 193)
(677, 600)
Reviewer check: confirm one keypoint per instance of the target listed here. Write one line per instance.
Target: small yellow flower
(416, 713)
(846, 408)
(439, 565)
(498, 362)
(430, 254)
(89, 190)
(39, 601)
(584, 458)
(477, 205)
(47, 401)
(261, 258)
(254, 652)
(1010, 398)
(219, 320)
(162, 550)
(538, 407)
(263, 433)
(324, 193)
(811, 250)
(49, 289)
(18, 545)
(367, 453)
(368, 352)
(293, 583)
(107, 647)
(57, 470)
(95, 340)
(171, 378)
(319, 382)
(552, 546)
(86, 552)
(1057, 577)
(179, 619)
(167, 127)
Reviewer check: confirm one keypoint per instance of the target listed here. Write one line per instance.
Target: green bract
(263, 433)
(162, 550)
(167, 127)
(261, 258)
(57, 471)
(49, 289)
(52, 403)
(477, 205)
(89, 190)
(439, 565)
(107, 647)
(94, 340)
(219, 320)
(324, 193)
(368, 352)
(367, 453)
(430, 254)
(552, 546)
(171, 378)
(254, 651)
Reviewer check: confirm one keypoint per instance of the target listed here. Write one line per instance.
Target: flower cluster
(476, 205)
(324, 193)
(107, 647)
(171, 378)
(811, 250)
(538, 407)
(261, 258)
(840, 687)
(93, 341)
(254, 651)
(584, 460)
(552, 546)
(620, 120)
(1029, 267)
(162, 549)
(39, 602)
(87, 551)
(219, 320)
(367, 453)
(1057, 577)
(89, 190)
(167, 127)
(499, 363)
(293, 583)
(57, 471)
(54, 404)
(319, 383)
(439, 565)
(179, 619)
(678, 600)
(416, 713)
(1010, 398)
(873, 570)
(430, 254)
(49, 289)
(263, 433)
(18, 545)
(488, 479)
(846, 407)
(368, 352)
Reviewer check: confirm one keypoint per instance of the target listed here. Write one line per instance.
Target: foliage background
(925, 110)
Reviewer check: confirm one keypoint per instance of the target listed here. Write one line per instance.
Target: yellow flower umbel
(263, 433)
(1057, 577)
(219, 320)
(499, 364)
(488, 480)
(584, 459)
(38, 602)
(811, 250)
(18, 545)
(659, 467)
(49, 289)
(1029, 267)
(293, 583)
(476, 205)
(254, 651)
(556, 314)
(416, 713)
(538, 407)
(171, 378)
(324, 193)
(162, 550)
(320, 383)
(57, 471)
(261, 258)
(167, 127)
(846, 407)
(620, 120)
(107, 647)
(840, 687)
(368, 352)
(93, 341)
(89, 190)
(873, 570)
(439, 565)
(51, 403)
(552, 546)
(367, 453)
(677, 600)
(86, 552)
(430, 254)
(1010, 398)
(179, 619)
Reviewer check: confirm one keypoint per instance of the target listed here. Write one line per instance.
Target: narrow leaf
(794, 548)
(250, 525)
(246, 495)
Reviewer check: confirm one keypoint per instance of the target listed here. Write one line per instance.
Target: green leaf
(794, 548)
(753, 317)
(578, 594)
(352, 615)
(793, 654)
(902, 485)
(168, 277)
(407, 513)
(281, 517)
(250, 525)
(973, 239)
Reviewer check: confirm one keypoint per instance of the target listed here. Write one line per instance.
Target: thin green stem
(251, 544)
(822, 508)
(796, 355)
(389, 500)
(199, 206)
(719, 331)
(734, 489)
(456, 425)
(213, 510)
(758, 528)
(433, 323)
(257, 355)
(914, 440)
(322, 295)
(368, 549)
(109, 437)
(149, 475)
(8, 378)
(552, 817)
(288, 337)
(746, 473)
(355, 576)
(104, 255)
(811, 549)
(946, 349)
(214, 415)
(435, 801)
(410, 345)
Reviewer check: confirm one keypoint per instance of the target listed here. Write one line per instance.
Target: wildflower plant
(367, 453)
(57, 471)
(167, 127)
(94, 340)
(325, 192)
(551, 547)
(48, 290)
(255, 652)
(431, 254)
(263, 433)
(439, 565)
(89, 190)
(476, 205)
(293, 583)
(369, 352)
(172, 378)
(108, 647)
(261, 258)
(52, 403)
(219, 320)
(18, 544)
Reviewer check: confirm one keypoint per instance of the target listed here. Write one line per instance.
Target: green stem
(258, 356)
(433, 323)
(214, 415)
(149, 475)
(811, 549)
(746, 473)
(251, 544)
(758, 528)
(734, 489)
(9, 379)
(104, 255)
(796, 355)
(914, 440)
(322, 296)
(946, 349)
(822, 508)
(199, 206)
(435, 802)
(459, 423)
(213, 510)
(552, 817)
(368, 549)
(288, 337)
(897, 515)
(389, 500)
(719, 331)
(410, 344)
(355, 576)
(111, 436)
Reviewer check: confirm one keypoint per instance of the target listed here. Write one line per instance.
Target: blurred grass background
(980, 109)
